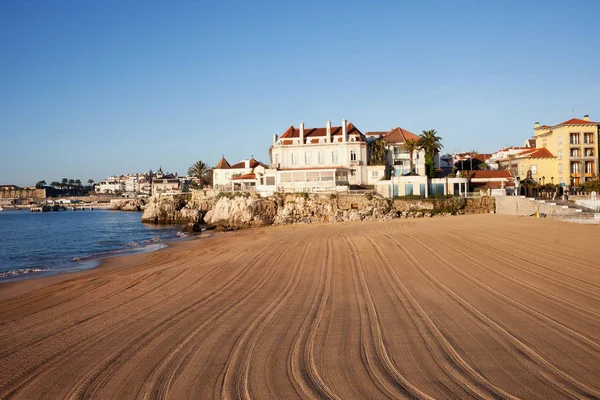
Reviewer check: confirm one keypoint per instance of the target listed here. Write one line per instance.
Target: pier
(62, 207)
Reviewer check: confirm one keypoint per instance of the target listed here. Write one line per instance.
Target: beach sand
(481, 306)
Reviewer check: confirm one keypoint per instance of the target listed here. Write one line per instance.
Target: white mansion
(326, 159)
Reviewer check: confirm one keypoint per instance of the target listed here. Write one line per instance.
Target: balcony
(354, 163)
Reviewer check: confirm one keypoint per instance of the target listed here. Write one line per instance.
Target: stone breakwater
(242, 210)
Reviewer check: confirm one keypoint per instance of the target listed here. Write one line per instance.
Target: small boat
(1, 209)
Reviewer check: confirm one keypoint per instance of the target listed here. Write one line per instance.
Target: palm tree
(473, 154)
(431, 143)
(377, 152)
(64, 183)
(200, 170)
(71, 183)
(411, 145)
(91, 182)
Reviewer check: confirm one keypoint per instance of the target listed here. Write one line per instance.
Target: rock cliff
(242, 210)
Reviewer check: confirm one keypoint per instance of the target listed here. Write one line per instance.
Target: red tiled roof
(244, 177)
(489, 174)
(540, 152)
(310, 133)
(242, 164)
(577, 121)
(222, 164)
(399, 135)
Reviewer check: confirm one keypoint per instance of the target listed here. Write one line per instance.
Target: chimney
(344, 138)
(586, 117)
(301, 132)
(537, 125)
(328, 131)
(246, 164)
(275, 139)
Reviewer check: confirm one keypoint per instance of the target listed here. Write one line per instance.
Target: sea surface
(37, 244)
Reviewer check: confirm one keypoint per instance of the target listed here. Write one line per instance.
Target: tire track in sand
(52, 360)
(390, 381)
(306, 379)
(235, 378)
(549, 372)
(97, 379)
(459, 370)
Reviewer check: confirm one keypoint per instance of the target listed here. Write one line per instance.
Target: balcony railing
(355, 162)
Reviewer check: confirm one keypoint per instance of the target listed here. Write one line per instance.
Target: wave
(20, 272)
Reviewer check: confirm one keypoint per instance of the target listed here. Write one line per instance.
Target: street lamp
(543, 179)
(552, 180)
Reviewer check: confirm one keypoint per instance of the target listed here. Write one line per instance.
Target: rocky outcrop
(179, 209)
(242, 210)
(127, 205)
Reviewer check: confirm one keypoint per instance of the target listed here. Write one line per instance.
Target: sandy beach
(482, 306)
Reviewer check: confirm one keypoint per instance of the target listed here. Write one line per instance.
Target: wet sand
(482, 306)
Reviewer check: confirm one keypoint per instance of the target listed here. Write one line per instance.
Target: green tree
(91, 182)
(377, 152)
(71, 183)
(411, 145)
(78, 183)
(432, 144)
(201, 171)
(64, 183)
(40, 185)
(55, 184)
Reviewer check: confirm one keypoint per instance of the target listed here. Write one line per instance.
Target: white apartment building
(111, 185)
(312, 159)
(226, 176)
(398, 158)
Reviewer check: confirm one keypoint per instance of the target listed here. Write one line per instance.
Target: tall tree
(201, 171)
(40, 185)
(377, 152)
(55, 184)
(78, 183)
(432, 144)
(411, 145)
(91, 182)
(64, 183)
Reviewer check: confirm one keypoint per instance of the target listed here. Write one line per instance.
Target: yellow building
(574, 143)
(539, 164)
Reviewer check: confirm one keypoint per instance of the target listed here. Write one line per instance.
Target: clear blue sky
(94, 88)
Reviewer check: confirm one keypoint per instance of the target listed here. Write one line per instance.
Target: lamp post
(552, 180)
(543, 179)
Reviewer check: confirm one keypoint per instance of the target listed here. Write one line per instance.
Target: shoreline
(19, 285)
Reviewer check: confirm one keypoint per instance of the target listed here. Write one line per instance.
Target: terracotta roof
(222, 164)
(490, 174)
(244, 177)
(399, 135)
(242, 164)
(310, 133)
(577, 121)
(541, 152)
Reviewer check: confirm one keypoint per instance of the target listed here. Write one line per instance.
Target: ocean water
(36, 244)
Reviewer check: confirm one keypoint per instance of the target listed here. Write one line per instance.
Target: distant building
(313, 159)
(227, 177)
(13, 194)
(574, 145)
(398, 158)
